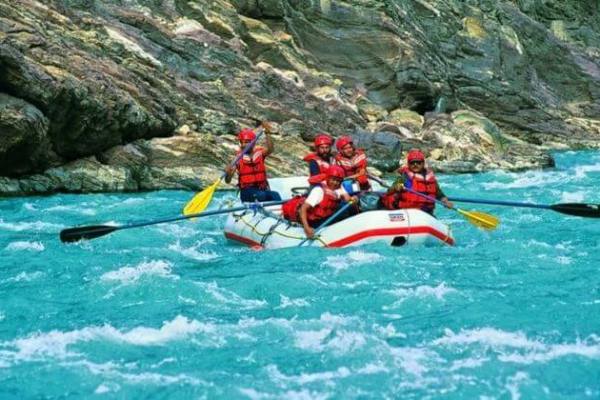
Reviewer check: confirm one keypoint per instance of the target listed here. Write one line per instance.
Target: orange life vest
(352, 165)
(323, 167)
(324, 209)
(426, 184)
(251, 170)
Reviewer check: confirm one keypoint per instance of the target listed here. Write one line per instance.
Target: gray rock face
(24, 143)
(111, 95)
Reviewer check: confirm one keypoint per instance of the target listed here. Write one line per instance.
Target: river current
(175, 311)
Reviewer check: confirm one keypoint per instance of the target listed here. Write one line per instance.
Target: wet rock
(370, 111)
(24, 143)
(406, 118)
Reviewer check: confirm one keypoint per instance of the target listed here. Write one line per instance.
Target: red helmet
(335, 171)
(415, 155)
(323, 138)
(247, 134)
(343, 141)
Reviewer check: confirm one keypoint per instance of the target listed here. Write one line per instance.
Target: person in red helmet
(416, 176)
(353, 161)
(320, 161)
(252, 173)
(322, 202)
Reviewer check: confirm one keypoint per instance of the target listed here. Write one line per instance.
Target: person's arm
(314, 197)
(398, 185)
(442, 197)
(438, 190)
(313, 167)
(315, 173)
(361, 167)
(344, 195)
(229, 171)
(360, 172)
(304, 219)
(270, 148)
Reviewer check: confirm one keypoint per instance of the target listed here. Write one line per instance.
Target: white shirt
(316, 195)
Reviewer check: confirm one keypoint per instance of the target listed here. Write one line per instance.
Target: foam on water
(581, 172)
(25, 245)
(526, 180)
(29, 226)
(438, 292)
(227, 297)
(72, 209)
(337, 341)
(351, 259)
(55, 343)
(179, 231)
(530, 351)
(129, 275)
(113, 371)
(287, 302)
(573, 197)
(193, 252)
(26, 276)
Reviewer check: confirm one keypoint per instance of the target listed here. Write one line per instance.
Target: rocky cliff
(103, 95)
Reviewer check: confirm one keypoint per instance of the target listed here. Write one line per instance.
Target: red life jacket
(323, 167)
(426, 184)
(352, 165)
(251, 170)
(391, 201)
(326, 208)
(290, 209)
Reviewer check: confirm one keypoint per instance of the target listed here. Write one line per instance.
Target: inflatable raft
(264, 228)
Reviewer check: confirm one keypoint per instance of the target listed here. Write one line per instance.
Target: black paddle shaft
(86, 232)
(93, 231)
(578, 209)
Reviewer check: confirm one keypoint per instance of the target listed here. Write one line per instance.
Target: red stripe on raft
(364, 235)
(242, 239)
(391, 231)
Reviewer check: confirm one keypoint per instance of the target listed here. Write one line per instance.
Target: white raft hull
(396, 228)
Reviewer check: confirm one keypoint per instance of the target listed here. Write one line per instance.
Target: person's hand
(229, 170)
(267, 127)
(310, 232)
(447, 202)
(354, 199)
(398, 187)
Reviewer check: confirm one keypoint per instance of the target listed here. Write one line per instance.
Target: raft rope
(264, 236)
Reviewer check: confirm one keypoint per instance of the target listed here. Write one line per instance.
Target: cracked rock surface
(107, 95)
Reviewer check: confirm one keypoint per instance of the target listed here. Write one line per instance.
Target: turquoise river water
(175, 311)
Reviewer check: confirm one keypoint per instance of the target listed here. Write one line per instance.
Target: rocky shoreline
(106, 96)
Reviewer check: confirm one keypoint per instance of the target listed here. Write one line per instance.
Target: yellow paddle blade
(480, 219)
(200, 201)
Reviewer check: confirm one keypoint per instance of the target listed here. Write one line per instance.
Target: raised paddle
(578, 209)
(200, 201)
(94, 231)
(477, 218)
(328, 221)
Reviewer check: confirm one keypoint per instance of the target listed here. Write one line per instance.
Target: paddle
(577, 209)
(200, 201)
(327, 222)
(94, 231)
(477, 218)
